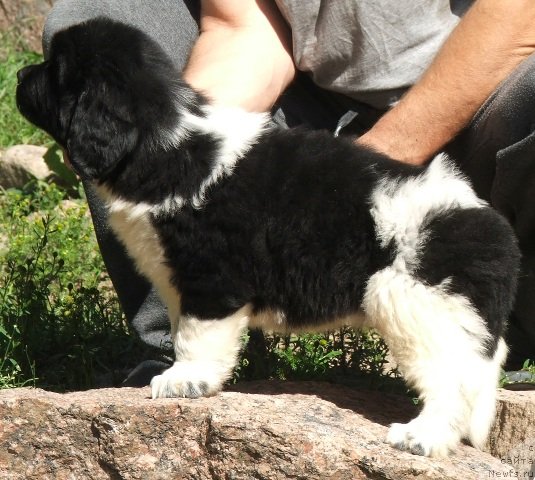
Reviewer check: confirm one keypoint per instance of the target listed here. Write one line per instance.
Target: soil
(25, 18)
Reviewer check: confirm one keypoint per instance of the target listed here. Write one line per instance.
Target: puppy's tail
(484, 399)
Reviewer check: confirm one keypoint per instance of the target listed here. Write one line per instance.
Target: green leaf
(54, 160)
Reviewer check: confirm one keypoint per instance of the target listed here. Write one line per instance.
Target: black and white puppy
(241, 224)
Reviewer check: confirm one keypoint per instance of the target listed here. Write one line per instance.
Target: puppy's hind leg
(483, 395)
(206, 353)
(439, 342)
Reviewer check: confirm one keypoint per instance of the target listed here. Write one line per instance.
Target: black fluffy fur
(289, 230)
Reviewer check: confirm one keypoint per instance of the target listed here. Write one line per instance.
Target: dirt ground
(26, 18)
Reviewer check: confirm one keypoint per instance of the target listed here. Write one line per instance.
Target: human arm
(242, 56)
(493, 37)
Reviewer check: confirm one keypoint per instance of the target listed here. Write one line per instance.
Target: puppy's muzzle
(23, 73)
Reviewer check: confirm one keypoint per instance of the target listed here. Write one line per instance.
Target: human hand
(390, 141)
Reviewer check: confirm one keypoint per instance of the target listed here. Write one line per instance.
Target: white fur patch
(132, 224)
(437, 339)
(206, 353)
(463, 408)
(237, 131)
(399, 207)
(169, 206)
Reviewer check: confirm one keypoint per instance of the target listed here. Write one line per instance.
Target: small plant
(357, 358)
(529, 366)
(11, 374)
(61, 324)
(65, 177)
(307, 357)
(292, 357)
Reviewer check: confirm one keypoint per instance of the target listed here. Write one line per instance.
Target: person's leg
(174, 25)
(497, 152)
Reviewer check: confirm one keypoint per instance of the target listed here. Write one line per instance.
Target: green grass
(354, 358)
(61, 326)
(529, 366)
(14, 129)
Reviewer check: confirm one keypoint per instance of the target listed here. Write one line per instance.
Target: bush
(357, 358)
(60, 323)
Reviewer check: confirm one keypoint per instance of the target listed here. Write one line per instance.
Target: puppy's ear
(102, 133)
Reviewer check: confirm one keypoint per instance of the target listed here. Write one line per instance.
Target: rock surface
(512, 438)
(20, 163)
(264, 431)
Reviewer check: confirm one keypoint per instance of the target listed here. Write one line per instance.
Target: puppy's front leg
(206, 353)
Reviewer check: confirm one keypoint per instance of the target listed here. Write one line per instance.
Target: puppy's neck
(235, 131)
(235, 127)
(199, 152)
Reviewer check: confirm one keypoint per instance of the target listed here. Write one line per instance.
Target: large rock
(512, 438)
(266, 431)
(20, 163)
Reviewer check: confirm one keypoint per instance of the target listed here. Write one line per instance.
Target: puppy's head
(106, 90)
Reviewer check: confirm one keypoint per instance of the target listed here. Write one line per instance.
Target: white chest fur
(131, 222)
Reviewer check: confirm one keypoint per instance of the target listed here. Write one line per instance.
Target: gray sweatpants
(497, 151)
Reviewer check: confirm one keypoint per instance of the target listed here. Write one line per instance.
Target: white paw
(421, 437)
(188, 379)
